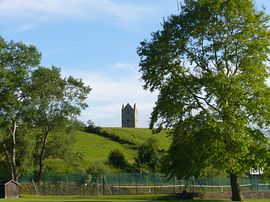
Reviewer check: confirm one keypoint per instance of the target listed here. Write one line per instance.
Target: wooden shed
(10, 189)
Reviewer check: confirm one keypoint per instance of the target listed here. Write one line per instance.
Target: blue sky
(95, 40)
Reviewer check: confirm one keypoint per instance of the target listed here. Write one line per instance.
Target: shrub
(96, 171)
(148, 158)
(117, 159)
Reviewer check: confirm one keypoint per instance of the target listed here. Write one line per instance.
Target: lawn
(113, 198)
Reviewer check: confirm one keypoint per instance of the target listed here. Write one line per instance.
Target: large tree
(37, 108)
(56, 103)
(17, 61)
(210, 66)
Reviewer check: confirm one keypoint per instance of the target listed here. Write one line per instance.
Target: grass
(97, 200)
(140, 135)
(95, 147)
(113, 198)
(122, 198)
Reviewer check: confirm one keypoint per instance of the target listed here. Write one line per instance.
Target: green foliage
(148, 157)
(117, 159)
(38, 108)
(57, 103)
(91, 128)
(209, 64)
(96, 172)
(17, 62)
(25, 142)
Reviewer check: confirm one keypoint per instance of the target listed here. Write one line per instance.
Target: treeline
(38, 111)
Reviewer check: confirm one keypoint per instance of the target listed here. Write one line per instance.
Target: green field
(95, 147)
(108, 200)
(115, 198)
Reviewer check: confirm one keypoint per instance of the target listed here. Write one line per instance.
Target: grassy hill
(94, 146)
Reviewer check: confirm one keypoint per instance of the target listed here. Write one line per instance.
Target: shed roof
(12, 181)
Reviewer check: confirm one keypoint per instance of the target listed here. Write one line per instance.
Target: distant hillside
(140, 135)
(94, 146)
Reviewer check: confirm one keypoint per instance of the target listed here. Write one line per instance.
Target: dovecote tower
(129, 116)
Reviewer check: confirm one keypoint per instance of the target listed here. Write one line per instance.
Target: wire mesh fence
(132, 183)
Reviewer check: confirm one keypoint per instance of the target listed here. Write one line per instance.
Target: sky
(95, 40)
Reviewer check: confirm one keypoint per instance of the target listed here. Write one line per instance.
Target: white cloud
(108, 95)
(18, 27)
(24, 27)
(126, 66)
(33, 7)
(115, 11)
(57, 50)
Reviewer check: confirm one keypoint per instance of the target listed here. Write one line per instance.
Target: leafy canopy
(37, 108)
(210, 66)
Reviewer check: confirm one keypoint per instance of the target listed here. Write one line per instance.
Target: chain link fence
(132, 183)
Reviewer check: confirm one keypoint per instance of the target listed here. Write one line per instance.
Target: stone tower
(129, 116)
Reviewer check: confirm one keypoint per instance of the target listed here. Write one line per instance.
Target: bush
(148, 158)
(96, 172)
(117, 159)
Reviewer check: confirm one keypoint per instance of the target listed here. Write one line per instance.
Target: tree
(56, 104)
(17, 62)
(209, 64)
(148, 156)
(37, 107)
(117, 159)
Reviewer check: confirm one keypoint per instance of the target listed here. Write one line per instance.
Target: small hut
(10, 189)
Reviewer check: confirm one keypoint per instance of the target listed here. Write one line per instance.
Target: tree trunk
(41, 158)
(11, 152)
(13, 161)
(39, 172)
(235, 188)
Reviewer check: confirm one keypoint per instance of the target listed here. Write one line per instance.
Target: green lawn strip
(86, 200)
(257, 200)
(44, 199)
(121, 198)
(113, 197)
(67, 200)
